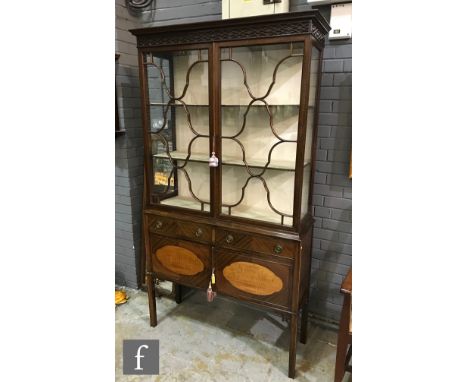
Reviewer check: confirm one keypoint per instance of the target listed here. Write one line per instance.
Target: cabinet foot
(292, 347)
(151, 299)
(178, 293)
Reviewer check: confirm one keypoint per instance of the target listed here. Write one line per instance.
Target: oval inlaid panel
(252, 278)
(179, 260)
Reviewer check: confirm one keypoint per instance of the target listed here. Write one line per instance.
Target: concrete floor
(221, 341)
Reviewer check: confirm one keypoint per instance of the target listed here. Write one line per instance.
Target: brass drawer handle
(159, 224)
(229, 239)
(198, 232)
(278, 249)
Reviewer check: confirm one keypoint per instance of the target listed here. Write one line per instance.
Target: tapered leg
(343, 341)
(292, 347)
(178, 293)
(304, 321)
(151, 299)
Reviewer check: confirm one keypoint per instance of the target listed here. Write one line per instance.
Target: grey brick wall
(128, 153)
(332, 245)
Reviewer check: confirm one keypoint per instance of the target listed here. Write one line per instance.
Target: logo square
(140, 357)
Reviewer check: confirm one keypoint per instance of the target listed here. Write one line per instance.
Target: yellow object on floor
(120, 297)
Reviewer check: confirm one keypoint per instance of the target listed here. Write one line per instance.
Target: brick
(324, 131)
(327, 190)
(332, 167)
(328, 52)
(335, 119)
(342, 215)
(342, 79)
(123, 209)
(336, 247)
(328, 266)
(347, 192)
(332, 66)
(326, 80)
(341, 106)
(326, 234)
(121, 181)
(338, 156)
(332, 257)
(328, 119)
(322, 212)
(124, 226)
(330, 296)
(337, 225)
(327, 276)
(333, 288)
(325, 309)
(334, 143)
(126, 200)
(341, 132)
(320, 178)
(325, 106)
(321, 154)
(343, 51)
(317, 222)
(338, 180)
(123, 234)
(124, 251)
(345, 238)
(342, 93)
(126, 261)
(347, 65)
(317, 200)
(125, 191)
(125, 218)
(315, 243)
(330, 93)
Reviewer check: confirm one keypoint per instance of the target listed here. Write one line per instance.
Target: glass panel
(179, 128)
(314, 67)
(260, 96)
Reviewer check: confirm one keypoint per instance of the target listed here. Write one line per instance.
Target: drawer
(161, 225)
(253, 278)
(178, 228)
(256, 243)
(194, 231)
(181, 261)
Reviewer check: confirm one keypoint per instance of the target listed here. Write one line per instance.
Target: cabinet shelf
(284, 165)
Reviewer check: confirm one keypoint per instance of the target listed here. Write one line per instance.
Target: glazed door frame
(308, 42)
(214, 94)
(144, 96)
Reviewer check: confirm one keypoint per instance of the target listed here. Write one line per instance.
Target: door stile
(301, 133)
(215, 126)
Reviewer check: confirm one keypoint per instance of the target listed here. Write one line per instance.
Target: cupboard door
(178, 124)
(181, 261)
(260, 107)
(250, 278)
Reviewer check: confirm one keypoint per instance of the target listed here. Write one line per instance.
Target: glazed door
(177, 84)
(260, 109)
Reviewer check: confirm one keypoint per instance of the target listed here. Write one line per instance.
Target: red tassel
(210, 293)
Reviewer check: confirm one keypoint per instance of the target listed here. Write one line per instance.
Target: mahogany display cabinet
(229, 116)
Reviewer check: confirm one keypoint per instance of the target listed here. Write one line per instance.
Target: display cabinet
(229, 115)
